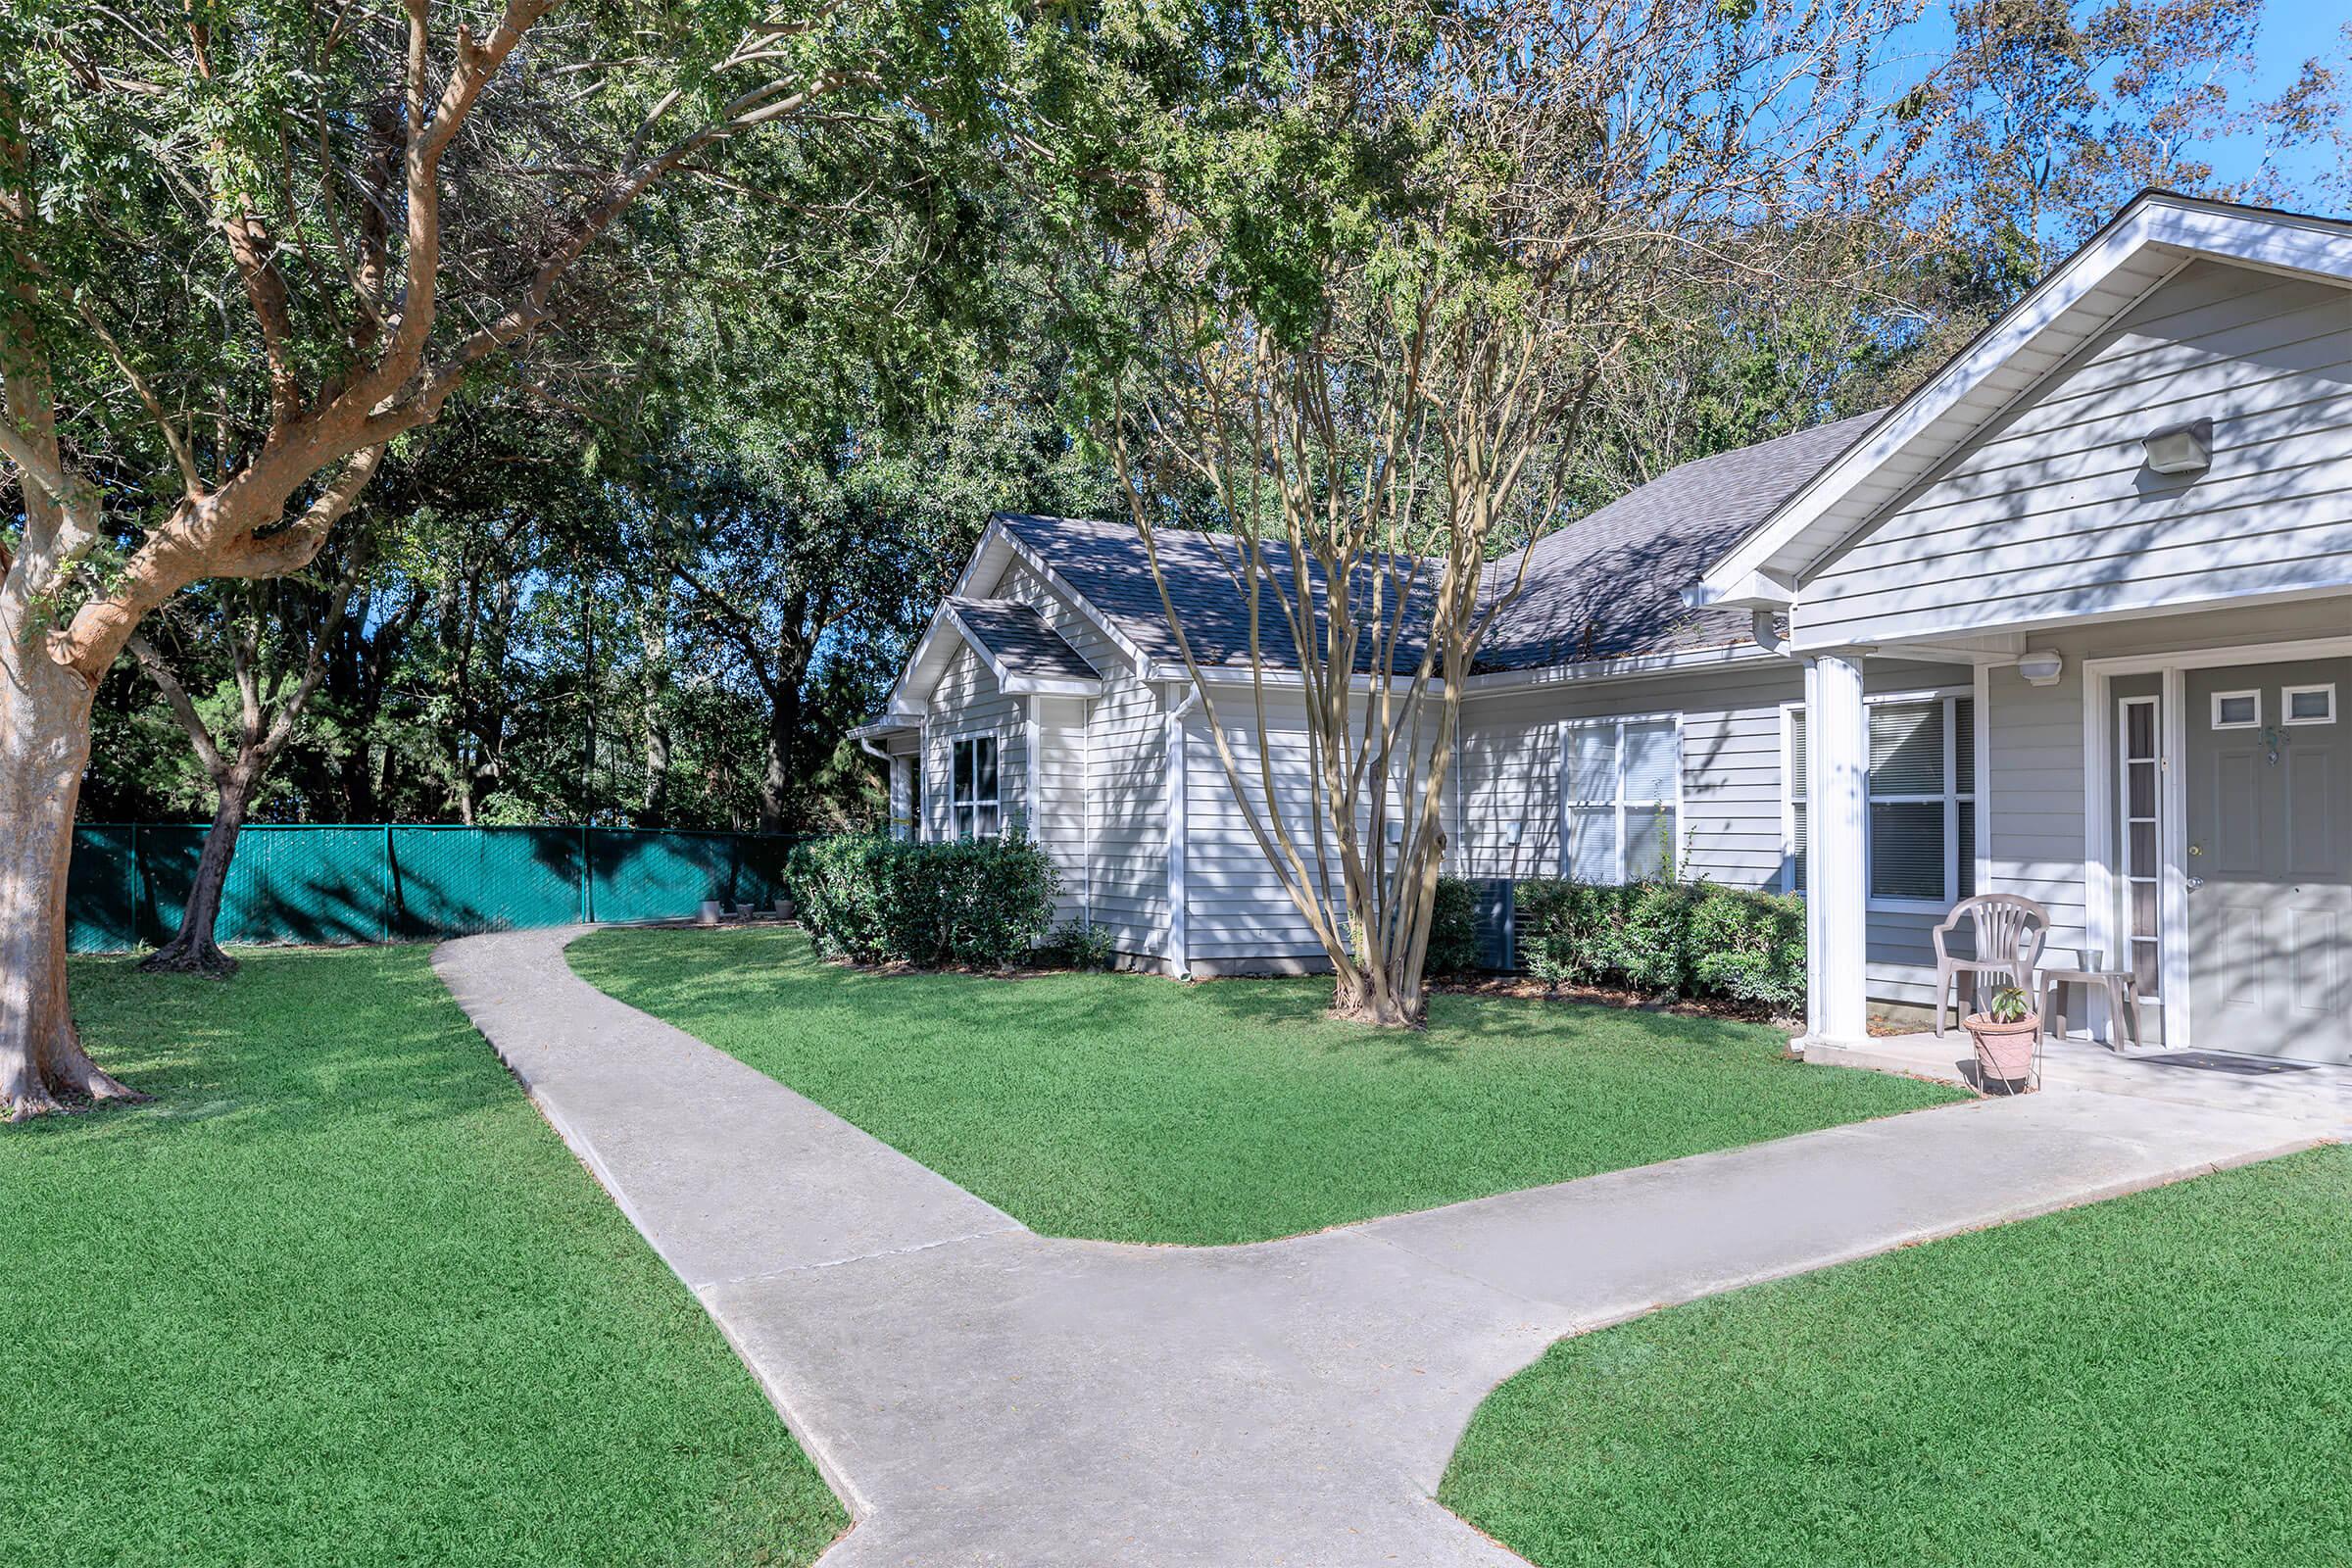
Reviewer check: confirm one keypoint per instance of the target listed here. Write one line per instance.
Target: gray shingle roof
(1609, 584)
(1605, 586)
(1019, 638)
(1107, 565)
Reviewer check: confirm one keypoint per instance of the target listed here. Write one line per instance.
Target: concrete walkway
(980, 1394)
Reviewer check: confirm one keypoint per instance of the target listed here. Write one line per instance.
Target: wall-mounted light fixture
(2041, 667)
(2180, 448)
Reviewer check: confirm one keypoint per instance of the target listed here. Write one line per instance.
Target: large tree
(246, 248)
(1372, 302)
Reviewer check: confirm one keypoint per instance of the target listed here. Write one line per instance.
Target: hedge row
(986, 903)
(1684, 939)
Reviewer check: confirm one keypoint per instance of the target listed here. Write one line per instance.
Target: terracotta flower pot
(2004, 1050)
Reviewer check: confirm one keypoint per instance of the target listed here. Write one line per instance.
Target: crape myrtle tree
(247, 245)
(1368, 300)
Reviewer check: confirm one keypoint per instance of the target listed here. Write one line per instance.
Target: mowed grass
(2162, 1378)
(341, 1296)
(1128, 1107)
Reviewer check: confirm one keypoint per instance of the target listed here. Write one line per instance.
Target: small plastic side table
(2122, 987)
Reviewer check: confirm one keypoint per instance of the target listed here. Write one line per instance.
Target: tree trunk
(775, 780)
(44, 744)
(194, 949)
(656, 809)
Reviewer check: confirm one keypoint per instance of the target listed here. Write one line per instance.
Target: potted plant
(2005, 1033)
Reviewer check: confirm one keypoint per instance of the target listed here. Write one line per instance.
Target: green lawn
(2162, 1378)
(1130, 1108)
(341, 1296)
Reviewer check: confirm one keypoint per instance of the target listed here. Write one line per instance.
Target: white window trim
(955, 802)
(2220, 698)
(2286, 703)
(1569, 804)
(1952, 797)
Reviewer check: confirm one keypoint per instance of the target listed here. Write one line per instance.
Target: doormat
(2214, 1061)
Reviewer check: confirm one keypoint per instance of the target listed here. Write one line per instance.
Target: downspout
(1178, 813)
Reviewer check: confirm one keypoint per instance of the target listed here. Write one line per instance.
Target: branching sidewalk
(980, 1394)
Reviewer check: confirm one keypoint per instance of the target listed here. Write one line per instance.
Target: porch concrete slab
(2316, 1093)
(725, 1171)
(980, 1394)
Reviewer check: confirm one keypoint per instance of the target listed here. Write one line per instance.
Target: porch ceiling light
(2180, 448)
(2041, 667)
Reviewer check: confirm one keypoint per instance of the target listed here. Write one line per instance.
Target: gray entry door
(2270, 859)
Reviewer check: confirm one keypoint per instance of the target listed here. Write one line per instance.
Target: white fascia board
(2306, 247)
(1001, 535)
(1047, 686)
(902, 697)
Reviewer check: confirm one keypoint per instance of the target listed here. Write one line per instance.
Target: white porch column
(1837, 763)
(901, 797)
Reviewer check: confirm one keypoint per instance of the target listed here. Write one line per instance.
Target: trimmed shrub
(1682, 939)
(1085, 947)
(1750, 947)
(872, 898)
(1452, 929)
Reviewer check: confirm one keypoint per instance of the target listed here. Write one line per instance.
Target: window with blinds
(1622, 787)
(1921, 799)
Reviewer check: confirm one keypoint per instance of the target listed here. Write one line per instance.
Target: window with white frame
(973, 787)
(2307, 705)
(1921, 846)
(1622, 803)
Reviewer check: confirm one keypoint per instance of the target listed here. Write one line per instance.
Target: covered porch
(2175, 793)
(2127, 507)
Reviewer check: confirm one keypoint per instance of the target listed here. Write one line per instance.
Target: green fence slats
(102, 889)
(371, 883)
(463, 880)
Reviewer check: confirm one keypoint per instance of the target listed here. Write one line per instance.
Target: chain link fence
(386, 883)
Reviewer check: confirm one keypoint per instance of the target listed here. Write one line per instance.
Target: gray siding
(2051, 514)
(1733, 828)
(1121, 750)
(1236, 910)
(1058, 775)
(965, 703)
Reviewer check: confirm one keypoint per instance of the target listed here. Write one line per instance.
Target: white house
(2072, 620)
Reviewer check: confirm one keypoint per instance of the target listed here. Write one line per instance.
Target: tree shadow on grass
(296, 1037)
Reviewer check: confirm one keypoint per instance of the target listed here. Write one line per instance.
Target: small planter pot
(2004, 1051)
